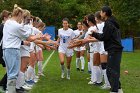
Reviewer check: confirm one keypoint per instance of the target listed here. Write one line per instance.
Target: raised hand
(47, 36)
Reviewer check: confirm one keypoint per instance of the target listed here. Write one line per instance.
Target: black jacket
(1, 51)
(1, 31)
(111, 36)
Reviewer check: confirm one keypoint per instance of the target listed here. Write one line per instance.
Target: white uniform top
(37, 47)
(100, 27)
(92, 45)
(29, 29)
(13, 34)
(65, 36)
(100, 45)
(32, 44)
(77, 32)
(25, 49)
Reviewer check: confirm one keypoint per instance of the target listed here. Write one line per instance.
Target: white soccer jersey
(24, 48)
(100, 44)
(100, 27)
(77, 32)
(93, 46)
(32, 44)
(65, 36)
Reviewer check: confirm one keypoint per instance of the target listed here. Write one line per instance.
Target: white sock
(68, 72)
(82, 62)
(30, 72)
(89, 68)
(98, 74)
(40, 70)
(93, 75)
(105, 77)
(11, 85)
(20, 80)
(63, 68)
(33, 74)
(25, 74)
(91, 60)
(77, 62)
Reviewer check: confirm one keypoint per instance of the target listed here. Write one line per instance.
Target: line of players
(21, 49)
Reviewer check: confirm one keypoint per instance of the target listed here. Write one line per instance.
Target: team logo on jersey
(64, 38)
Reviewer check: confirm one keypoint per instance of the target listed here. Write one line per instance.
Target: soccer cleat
(120, 91)
(36, 80)
(90, 82)
(26, 87)
(82, 70)
(62, 75)
(78, 69)
(37, 77)
(21, 90)
(68, 77)
(105, 87)
(41, 74)
(6, 91)
(30, 82)
(98, 84)
(29, 85)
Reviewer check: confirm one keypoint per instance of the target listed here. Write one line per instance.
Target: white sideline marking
(46, 62)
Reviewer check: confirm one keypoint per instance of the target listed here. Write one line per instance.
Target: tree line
(127, 12)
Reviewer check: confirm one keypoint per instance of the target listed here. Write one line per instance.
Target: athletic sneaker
(98, 84)
(37, 77)
(41, 74)
(21, 90)
(78, 69)
(1, 90)
(68, 77)
(6, 91)
(26, 87)
(29, 85)
(105, 87)
(82, 70)
(62, 75)
(30, 82)
(120, 91)
(90, 82)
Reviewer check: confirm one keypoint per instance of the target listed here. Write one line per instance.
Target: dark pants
(3, 82)
(113, 70)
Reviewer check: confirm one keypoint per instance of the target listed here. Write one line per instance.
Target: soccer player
(101, 50)
(25, 55)
(13, 34)
(79, 50)
(65, 36)
(85, 28)
(94, 56)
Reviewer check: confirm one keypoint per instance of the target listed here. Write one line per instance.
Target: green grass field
(52, 83)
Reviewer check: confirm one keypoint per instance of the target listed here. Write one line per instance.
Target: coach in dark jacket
(112, 44)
